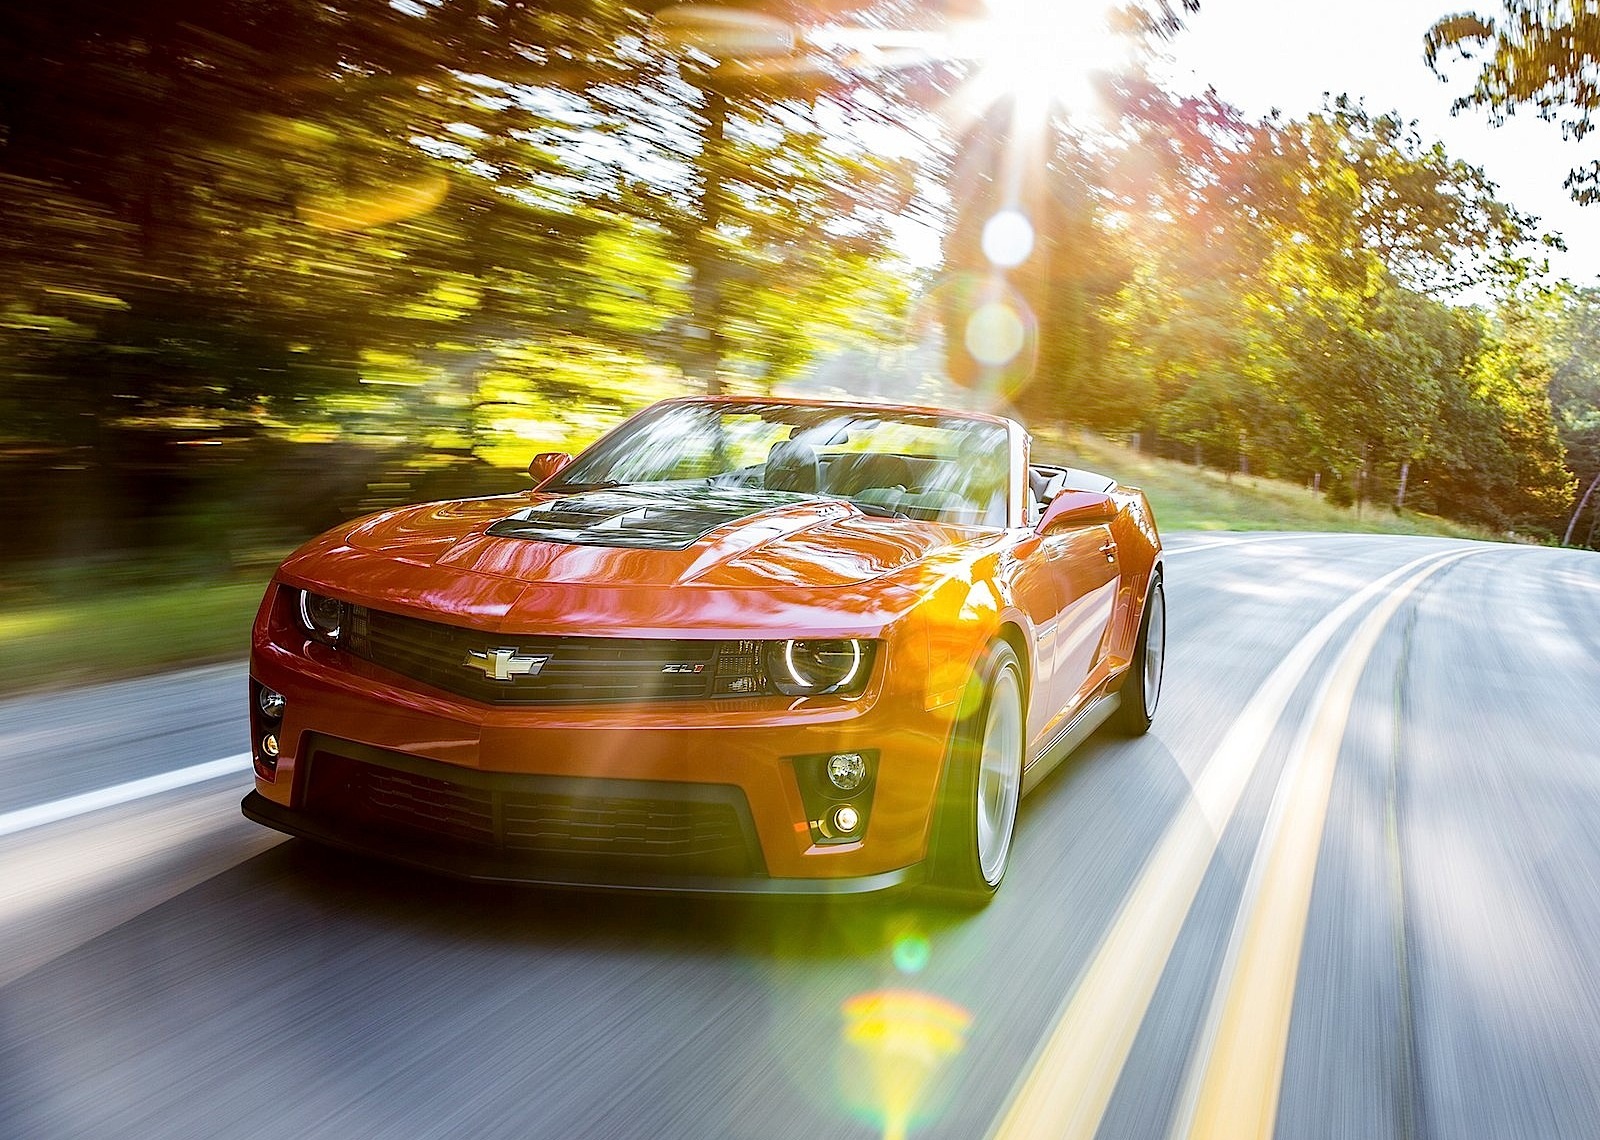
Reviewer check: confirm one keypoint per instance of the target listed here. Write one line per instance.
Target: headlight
(322, 617)
(809, 668)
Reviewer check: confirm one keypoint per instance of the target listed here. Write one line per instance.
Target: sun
(1044, 54)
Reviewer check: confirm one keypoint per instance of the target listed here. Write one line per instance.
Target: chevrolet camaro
(738, 644)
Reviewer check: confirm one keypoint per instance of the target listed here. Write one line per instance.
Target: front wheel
(1142, 687)
(977, 813)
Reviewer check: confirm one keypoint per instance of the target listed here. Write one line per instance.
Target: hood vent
(638, 519)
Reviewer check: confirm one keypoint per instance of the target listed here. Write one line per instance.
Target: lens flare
(911, 953)
(995, 334)
(1007, 239)
(949, 315)
(898, 1043)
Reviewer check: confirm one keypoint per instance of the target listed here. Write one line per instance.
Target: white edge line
(1248, 540)
(55, 811)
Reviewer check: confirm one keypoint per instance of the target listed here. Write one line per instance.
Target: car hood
(730, 538)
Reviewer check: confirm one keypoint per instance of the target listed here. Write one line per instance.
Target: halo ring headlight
(321, 616)
(806, 667)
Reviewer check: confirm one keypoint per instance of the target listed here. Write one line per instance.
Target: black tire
(976, 814)
(1141, 688)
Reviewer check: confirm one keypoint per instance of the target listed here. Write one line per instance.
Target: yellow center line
(1237, 1070)
(1075, 1069)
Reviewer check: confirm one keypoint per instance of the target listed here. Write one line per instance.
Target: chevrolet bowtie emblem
(505, 664)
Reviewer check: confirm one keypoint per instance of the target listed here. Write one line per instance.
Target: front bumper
(754, 747)
(501, 868)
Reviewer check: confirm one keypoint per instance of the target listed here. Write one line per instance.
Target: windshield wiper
(876, 510)
(598, 485)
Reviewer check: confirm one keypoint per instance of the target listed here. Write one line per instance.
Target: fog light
(846, 819)
(846, 770)
(271, 703)
(269, 745)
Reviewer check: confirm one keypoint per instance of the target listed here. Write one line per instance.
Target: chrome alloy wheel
(1155, 648)
(999, 774)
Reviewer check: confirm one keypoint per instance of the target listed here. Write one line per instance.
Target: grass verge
(1197, 498)
(66, 641)
(92, 634)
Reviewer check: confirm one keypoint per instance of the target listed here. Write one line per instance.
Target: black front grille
(554, 670)
(688, 829)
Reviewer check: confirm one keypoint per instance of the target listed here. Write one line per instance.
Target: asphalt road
(1349, 886)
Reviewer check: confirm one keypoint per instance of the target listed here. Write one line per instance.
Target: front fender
(958, 620)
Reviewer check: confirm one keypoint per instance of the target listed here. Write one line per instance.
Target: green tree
(1534, 53)
(1570, 329)
(1532, 488)
(237, 215)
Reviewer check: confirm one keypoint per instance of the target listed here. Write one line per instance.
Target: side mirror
(546, 464)
(1077, 508)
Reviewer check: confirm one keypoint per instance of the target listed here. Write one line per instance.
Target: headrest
(791, 466)
(852, 474)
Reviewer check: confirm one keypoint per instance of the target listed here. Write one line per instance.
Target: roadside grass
(90, 631)
(49, 643)
(1185, 497)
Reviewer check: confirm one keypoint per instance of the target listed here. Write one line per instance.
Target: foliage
(1543, 54)
(1274, 297)
(474, 228)
(401, 221)
(1569, 321)
(1568, 326)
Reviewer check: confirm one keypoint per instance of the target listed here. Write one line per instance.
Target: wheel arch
(1012, 634)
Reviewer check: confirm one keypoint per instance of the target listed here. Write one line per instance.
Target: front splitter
(528, 872)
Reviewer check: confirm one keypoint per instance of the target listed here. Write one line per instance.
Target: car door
(1084, 570)
(1035, 589)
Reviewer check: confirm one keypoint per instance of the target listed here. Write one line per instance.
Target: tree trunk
(1400, 495)
(1566, 539)
(1361, 480)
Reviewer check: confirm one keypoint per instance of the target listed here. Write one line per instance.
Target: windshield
(939, 468)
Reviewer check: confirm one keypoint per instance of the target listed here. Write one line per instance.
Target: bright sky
(1261, 54)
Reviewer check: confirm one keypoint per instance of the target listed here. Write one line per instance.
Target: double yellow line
(1232, 1087)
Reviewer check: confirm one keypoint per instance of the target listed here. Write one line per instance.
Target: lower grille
(692, 828)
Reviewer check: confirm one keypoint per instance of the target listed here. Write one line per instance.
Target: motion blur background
(267, 264)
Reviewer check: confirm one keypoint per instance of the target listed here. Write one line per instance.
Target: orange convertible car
(736, 645)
